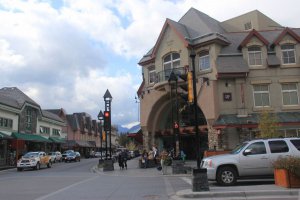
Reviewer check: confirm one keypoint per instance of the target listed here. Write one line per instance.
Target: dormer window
(288, 54)
(255, 56)
(204, 63)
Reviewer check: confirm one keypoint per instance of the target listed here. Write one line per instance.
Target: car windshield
(238, 148)
(72, 154)
(31, 154)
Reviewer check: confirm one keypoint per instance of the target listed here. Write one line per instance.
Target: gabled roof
(252, 34)
(14, 97)
(285, 32)
(51, 115)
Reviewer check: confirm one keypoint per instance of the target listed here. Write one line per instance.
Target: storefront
(5, 149)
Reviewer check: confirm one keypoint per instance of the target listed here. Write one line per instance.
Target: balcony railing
(165, 74)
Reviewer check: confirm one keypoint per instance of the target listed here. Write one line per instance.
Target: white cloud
(68, 57)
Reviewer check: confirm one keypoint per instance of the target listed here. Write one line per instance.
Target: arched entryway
(163, 115)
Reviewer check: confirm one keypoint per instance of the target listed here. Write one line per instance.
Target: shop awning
(252, 120)
(83, 143)
(29, 137)
(57, 140)
(92, 143)
(4, 136)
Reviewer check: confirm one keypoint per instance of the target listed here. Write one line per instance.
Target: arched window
(254, 56)
(288, 54)
(171, 61)
(204, 62)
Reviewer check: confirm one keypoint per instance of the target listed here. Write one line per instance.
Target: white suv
(250, 160)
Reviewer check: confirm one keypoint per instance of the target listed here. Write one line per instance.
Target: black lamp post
(107, 119)
(192, 56)
(175, 124)
(100, 117)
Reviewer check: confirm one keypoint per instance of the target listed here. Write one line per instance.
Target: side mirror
(247, 152)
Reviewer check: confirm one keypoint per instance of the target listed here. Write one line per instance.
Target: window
(296, 143)
(289, 94)
(152, 75)
(55, 132)
(255, 56)
(288, 54)
(261, 95)
(28, 118)
(172, 61)
(44, 130)
(257, 148)
(204, 63)
(278, 146)
(248, 26)
(6, 123)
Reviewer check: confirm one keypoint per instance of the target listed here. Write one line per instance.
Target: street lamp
(107, 119)
(192, 56)
(100, 117)
(137, 100)
(175, 124)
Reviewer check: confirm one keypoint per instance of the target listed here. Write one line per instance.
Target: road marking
(66, 188)
(169, 189)
(186, 179)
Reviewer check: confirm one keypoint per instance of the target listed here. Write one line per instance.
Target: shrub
(290, 163)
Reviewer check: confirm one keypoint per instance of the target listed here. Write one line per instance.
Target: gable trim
(251, 35)
(286, 31)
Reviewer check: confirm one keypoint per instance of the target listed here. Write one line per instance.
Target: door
(254, 160)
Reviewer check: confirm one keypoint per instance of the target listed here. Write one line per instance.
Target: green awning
(30, 137)
(5, 136)
(57, 140)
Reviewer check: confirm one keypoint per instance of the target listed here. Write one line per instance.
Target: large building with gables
(243, 66)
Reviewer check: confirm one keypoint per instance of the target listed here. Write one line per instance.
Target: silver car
(251, 159)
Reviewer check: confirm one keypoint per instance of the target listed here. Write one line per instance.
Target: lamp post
(107, 119)
(175, 124)
(192, 56)
(100, 117)
(137, 100)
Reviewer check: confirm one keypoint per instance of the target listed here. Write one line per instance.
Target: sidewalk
(258, 189)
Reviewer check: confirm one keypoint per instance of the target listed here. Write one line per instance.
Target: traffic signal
(106, 121)
(190, 87)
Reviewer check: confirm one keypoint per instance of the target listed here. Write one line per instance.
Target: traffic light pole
(192, 56)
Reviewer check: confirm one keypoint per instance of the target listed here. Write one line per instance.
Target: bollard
(199, 180)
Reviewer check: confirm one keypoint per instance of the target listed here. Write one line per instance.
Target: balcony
(162, 77)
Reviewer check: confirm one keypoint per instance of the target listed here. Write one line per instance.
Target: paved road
(77, 181)
(81, 180)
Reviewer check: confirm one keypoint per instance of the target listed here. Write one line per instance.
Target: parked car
(64, 155)
(55, 156)
(34, 160)
(98, 154)
(250, 159)
(73, 156)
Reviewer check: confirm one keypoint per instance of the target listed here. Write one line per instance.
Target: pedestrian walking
(163, 160)
(125, 157)
(120, 161)
(144, 159)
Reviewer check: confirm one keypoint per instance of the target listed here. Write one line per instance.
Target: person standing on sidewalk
(163, 158)
(124, 156)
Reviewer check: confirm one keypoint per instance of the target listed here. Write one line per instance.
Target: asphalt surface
(84, 180)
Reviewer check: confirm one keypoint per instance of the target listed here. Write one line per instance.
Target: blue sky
(66, 53)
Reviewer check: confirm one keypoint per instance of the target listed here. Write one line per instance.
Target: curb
(289, 193)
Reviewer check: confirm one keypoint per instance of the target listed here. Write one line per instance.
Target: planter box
(214, 153)
(286, 179)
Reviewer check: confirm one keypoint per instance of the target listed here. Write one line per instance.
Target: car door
(254, 160)
(42, 158)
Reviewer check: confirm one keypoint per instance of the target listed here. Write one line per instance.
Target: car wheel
(226, 176)
(37, 167)
(49, 164)
(19, 169)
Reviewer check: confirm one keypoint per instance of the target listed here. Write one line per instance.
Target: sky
(67, 53)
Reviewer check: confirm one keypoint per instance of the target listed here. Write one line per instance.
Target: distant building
(243, 65)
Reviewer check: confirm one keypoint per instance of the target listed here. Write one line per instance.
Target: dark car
(73, 156)
(64, 155)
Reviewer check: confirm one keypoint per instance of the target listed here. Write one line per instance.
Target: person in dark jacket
(125, 158)
(120, 161)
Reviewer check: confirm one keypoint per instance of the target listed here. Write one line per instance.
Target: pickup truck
(252, 159)
(34, 160)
